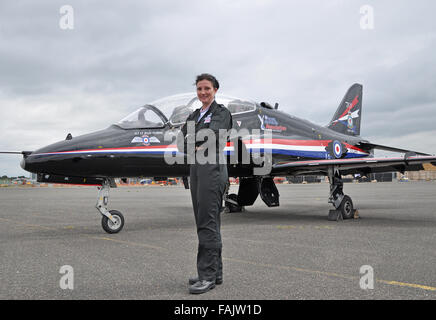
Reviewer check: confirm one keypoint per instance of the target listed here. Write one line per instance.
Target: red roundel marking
(337, 149)
(146, 140)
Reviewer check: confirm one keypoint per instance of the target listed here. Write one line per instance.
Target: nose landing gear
(112, 221)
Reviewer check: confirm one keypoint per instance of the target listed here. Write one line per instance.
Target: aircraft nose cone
(23, 163)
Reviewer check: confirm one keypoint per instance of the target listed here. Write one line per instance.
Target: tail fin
(349, 113)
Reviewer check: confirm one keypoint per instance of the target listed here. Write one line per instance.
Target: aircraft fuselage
(118, 152)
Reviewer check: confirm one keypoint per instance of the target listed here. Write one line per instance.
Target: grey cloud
(302, 54)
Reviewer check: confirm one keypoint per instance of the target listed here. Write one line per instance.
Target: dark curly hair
(209, 77)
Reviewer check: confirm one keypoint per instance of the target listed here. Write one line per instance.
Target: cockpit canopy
(176, 109)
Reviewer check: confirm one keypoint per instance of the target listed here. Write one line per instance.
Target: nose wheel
(115, 225)
(112, 221)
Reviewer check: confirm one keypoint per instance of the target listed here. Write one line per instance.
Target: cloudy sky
(302, 54)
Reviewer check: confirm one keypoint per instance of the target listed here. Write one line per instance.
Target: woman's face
(206, 92)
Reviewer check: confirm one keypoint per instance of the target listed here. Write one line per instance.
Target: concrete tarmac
(287, 252)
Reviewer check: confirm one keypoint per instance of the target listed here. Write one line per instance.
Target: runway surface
(288, 252)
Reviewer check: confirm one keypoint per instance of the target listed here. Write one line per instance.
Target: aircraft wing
(367, 146)
(353, 165)
(16, 152)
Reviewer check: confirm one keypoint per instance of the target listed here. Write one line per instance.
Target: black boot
(201, 286)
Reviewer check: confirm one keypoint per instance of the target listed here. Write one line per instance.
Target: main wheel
(113, 227)
(346, 208)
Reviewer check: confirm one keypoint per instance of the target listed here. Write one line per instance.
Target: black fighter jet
(265, 143)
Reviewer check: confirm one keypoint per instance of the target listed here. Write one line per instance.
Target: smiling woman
(207, 183)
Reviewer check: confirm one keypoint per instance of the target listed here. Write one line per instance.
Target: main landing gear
(231, 201)
(112, 221)
(249, 189)
(343, 204)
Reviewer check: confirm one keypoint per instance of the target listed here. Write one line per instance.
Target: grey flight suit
(207, 184)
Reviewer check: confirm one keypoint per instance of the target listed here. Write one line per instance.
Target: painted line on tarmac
(331, 274)
(404, 284)
(28, 224)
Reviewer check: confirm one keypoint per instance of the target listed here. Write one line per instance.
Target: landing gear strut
(112, 221)
(231, 201)
(343, 204)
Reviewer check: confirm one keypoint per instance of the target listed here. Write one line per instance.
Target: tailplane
(349, 113)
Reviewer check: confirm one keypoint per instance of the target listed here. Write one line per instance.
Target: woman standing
(207, 183)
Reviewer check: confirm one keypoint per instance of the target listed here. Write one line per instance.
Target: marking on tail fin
(344, 116)
(347, 120)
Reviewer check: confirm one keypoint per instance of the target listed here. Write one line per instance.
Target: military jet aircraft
(136, 146)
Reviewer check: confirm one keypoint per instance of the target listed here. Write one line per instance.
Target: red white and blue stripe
(295, 148)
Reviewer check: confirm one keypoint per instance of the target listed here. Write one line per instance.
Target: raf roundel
(337, 149)
(146, 140)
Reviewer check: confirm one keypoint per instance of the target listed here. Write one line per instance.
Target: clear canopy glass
(144, 117)
(176, 110)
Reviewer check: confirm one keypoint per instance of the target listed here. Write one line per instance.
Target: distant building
(429, 173)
